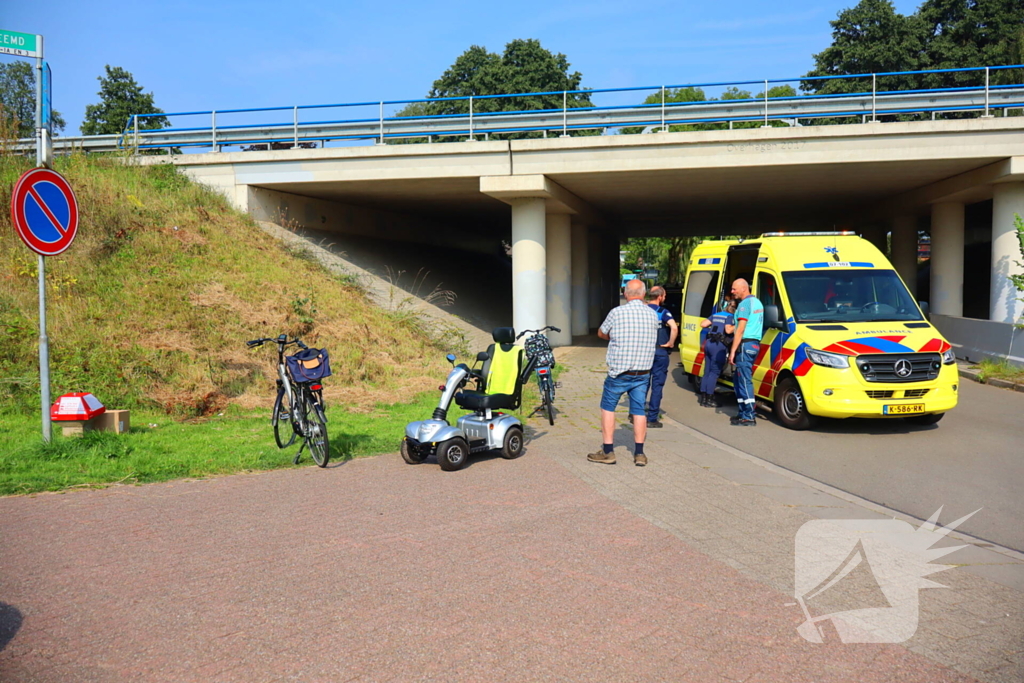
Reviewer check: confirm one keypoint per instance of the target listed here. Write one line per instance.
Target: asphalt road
(973, 458)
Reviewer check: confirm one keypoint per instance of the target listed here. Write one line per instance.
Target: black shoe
(702, 400)
(654, 424)
(734, 419)
(745, 423)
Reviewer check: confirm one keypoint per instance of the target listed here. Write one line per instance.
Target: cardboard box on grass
(82, 412)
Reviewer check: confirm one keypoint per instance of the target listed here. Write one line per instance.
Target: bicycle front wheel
(281, 419)
(316, 433)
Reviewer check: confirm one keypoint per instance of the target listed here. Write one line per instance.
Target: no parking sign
(45, 215)
(44, 211)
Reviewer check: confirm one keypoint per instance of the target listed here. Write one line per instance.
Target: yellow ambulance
(842, 335)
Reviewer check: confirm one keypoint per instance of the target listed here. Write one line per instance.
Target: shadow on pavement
(867, 426)
(10, 623)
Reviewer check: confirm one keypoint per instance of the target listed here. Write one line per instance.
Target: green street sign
(20, 44)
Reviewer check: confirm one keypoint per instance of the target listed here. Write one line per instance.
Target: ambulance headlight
(829, 360)
(948, 357)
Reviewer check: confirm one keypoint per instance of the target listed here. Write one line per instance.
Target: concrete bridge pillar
(947, 259)
(1007, 202)
(529, 263)
(904, 250)
(559, 278)
(594, 293)
(580, 280)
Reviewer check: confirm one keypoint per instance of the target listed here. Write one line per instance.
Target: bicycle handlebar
(543, 329)
(282, 340)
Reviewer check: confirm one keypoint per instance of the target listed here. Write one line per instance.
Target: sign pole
(39, 101)
(44, 354)
(44, 342)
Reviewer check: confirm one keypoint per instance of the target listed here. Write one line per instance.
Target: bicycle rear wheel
(547, 396)
(281, 419)
(316, 433)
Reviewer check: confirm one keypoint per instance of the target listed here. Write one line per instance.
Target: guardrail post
(766, 105)
(136, 117)
(874, 92)
(986, 115)
(565, 114)
(213, 129)
(663, 129)
(471, 138)
(381, 141)
(295, 124)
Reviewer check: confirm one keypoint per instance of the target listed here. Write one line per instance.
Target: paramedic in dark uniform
(716, 350)
(668, 330)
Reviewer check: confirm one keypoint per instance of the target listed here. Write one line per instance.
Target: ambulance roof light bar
(808, 234)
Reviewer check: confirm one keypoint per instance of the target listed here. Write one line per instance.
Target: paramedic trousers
(743, 379)
(659, 373)
(715, 355)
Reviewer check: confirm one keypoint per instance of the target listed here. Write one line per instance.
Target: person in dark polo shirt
(668, 330)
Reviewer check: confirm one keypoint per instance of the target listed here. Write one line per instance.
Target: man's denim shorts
(634, 385)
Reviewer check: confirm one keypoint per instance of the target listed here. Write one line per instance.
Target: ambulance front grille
(915, 393)
(898, 368)
(881, 394)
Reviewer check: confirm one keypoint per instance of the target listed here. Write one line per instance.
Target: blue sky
(225, 55)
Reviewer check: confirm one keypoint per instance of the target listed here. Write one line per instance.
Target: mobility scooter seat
(474, 400)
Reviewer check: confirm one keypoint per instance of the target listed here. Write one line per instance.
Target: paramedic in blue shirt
(716, 349)
(668, 330)
(745, 345)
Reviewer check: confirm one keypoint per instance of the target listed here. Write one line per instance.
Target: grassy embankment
(149, 310)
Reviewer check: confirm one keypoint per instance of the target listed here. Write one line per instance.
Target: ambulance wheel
(512, 446)
(452, 454)
(924, 420)
(411, 455)
(790, 407)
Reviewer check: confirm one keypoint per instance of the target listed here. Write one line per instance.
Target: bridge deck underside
(703, 201)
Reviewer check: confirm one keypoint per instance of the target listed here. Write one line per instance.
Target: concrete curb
(975, 375)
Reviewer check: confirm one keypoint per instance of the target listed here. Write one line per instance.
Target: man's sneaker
(654, 424)
(734, 419)
(745, 423)
(602, 457)
(640, 460)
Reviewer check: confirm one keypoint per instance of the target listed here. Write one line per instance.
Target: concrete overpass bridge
(564, 204)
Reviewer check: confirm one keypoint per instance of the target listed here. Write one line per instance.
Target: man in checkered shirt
(632, 333)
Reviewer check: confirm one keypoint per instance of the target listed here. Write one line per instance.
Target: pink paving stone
(509, 570)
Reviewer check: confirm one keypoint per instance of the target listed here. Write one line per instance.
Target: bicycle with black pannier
(299, 409)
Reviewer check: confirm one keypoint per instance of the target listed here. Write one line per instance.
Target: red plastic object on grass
(76, 407)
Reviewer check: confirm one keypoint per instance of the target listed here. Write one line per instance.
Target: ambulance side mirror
(772, 317)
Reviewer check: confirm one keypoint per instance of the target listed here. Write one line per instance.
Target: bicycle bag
(537, 346)
(309, 365)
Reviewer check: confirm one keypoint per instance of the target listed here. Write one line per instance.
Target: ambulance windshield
(847, 295)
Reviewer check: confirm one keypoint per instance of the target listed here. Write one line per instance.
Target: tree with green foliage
(121, 98)
(18, 101)
(968, 33)
(524, 67)
(871, 37)
(1018, 278)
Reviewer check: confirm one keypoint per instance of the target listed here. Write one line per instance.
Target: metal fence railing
(859, 97)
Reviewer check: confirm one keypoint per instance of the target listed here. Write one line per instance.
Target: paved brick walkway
(542, 568)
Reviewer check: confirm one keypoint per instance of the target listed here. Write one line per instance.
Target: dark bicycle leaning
(541, 359)
(299, 409)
